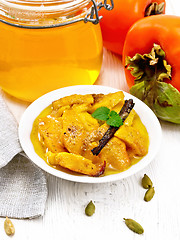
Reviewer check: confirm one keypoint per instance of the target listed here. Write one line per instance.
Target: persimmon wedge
(76, 163)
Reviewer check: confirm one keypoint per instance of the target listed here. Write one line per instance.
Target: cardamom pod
(134, 226)
(146, 182)
(149, 194)
(9, 227)
(90, 209)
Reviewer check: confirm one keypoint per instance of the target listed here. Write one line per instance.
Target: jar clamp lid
(92, 16)
(94, 11)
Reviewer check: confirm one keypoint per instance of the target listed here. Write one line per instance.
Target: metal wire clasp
(93, 16)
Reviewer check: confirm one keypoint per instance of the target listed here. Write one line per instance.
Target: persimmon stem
(149, 68)
(154, 9)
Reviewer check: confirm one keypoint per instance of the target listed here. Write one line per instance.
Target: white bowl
(147, 117)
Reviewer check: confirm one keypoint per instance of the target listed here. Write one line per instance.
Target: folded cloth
(23, 189)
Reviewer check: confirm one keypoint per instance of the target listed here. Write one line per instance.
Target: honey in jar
(45, 45)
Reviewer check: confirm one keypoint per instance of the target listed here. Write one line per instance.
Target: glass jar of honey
(45, 45)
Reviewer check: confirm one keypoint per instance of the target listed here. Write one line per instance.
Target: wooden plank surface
(64, 216)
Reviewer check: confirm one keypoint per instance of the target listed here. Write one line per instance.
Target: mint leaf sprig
(112, 118)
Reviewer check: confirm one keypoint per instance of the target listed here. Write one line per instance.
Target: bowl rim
(34, 109)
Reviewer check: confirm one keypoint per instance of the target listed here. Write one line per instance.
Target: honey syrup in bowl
(37, 113)
(66, 132)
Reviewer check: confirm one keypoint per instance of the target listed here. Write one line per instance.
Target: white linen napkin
(23, 189)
